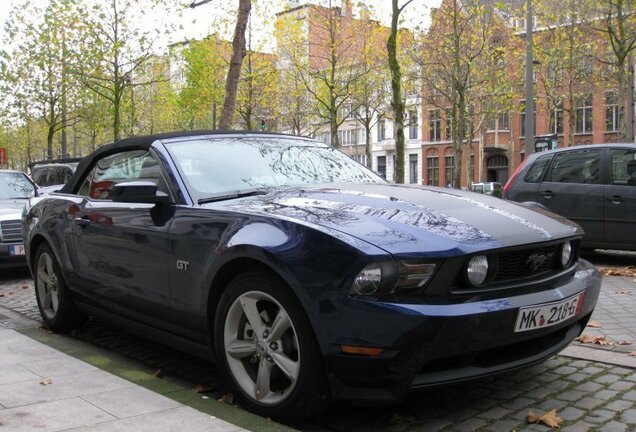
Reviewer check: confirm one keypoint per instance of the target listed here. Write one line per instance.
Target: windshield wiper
(232, 195)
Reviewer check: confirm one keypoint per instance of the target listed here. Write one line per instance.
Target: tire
(276, 371)
(55, 300)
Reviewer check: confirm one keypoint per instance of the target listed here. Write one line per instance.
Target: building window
(413, 168)
(449, 123)
(381, 129)
(432, 168)
(434, 126)
(503, 121)
(584, 115)
(472, 169)
(382, 166)
(556, 118)
(613, 113)
(361, 159)
(449, 167)
(413, 124)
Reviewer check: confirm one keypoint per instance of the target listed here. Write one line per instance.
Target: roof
(144, 142)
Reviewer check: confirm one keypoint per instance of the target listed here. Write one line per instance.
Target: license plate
(547, 315)
(16, 249)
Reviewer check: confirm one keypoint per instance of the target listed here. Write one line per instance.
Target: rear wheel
(54, 298)
(267, 347)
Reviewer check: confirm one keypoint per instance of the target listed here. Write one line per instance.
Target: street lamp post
(529, 124)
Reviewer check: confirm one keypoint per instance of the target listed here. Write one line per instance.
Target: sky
(199, 22)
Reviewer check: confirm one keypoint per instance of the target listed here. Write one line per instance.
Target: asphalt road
(588, 395)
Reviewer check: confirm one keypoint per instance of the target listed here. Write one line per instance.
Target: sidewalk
(44, 389)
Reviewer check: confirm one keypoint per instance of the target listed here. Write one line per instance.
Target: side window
(535, 173)
(119, 168)
(67, 175)
(577, 167)
(56, 176)
(39, 176)
(623, 167)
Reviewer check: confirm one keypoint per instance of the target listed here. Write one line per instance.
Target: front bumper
(10, 261)
(427, 345)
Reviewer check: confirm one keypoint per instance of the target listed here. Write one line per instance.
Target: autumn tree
(370, 96)
(258, 88)
(466, 69)
(330, 68)
(204, 68)
(116, 45)
(566, 52)
(35, 72)
(616, 21)
(296, 106)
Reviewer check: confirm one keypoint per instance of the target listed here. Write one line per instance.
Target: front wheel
(267, 347)
(54, 298)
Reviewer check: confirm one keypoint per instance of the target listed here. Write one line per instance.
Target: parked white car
(15, 190)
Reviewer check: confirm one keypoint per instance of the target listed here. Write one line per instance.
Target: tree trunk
(396, 85)
(234, 72)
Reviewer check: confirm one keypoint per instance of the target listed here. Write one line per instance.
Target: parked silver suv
(593, 185)
(51, 177)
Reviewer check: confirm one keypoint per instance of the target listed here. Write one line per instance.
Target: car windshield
(229, 165)
(15, 185)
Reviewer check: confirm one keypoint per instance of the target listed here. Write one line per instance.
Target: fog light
(368, 280)
(566, 254)
(477, 269)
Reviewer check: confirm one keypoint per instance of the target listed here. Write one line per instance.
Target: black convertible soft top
(143, 143)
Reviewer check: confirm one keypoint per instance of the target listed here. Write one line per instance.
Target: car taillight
(513, 178)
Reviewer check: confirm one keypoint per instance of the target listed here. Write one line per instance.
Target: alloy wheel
(261, 347)
(47, 286)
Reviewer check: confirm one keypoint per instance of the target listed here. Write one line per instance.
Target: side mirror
(138, 192)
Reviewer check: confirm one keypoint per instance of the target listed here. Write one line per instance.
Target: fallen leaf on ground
(624, 342)
(25, 287)
(1, 295)
(46, 381)
(591, 339)
(626, 271)
(159, 373)
(549, 419)
(632, 354)
(594, 324)
(622, 291)
(200, 389)
(227, 398)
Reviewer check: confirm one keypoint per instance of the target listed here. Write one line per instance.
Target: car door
(572, 188)
(620, 199)
(121, 249)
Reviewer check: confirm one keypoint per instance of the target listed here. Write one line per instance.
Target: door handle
(547, 194)
(616, 199)
(83, 222)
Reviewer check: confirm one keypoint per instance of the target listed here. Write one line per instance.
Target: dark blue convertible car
(302, 273)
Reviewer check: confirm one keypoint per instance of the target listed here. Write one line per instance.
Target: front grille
(525, 264)
(11, 231)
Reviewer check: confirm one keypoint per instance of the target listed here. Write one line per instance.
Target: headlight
(386, 278)
(368, 280)
(477, 270)
(566, 253)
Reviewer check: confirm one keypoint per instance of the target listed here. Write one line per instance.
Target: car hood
(12, 209)
(412, 220)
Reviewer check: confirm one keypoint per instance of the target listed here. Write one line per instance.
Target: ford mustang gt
(303, 274)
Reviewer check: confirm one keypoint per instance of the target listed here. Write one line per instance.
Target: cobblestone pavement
(589, 396)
